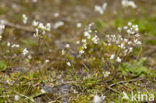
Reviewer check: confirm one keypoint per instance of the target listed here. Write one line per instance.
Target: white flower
(95, 39)
(15, 45)
(47, 61)
(126, 3)
(86, 34)
(8, 44)
(84, 40)
(130, 49)
(25, 51)
(36, 34)
(77, 42)
(119, 28)
(16, 97)
(125, 40)
(106, 74)
(104, 6)
(112, 56)
(41, 26)
(79, 25)
(139, 43)
(81, 51)
(48, 26)
(63, 52)
(118, 59)
(122, 45)
(58, 24)
(25, 18)
(56, 15)
(35, 23)
(100, 9)
(129, 23)
(29, 56)
(67, 45)
(125, 27)
(43, 91)
(34, 1)
(84, 46)
(97, 99)
(0, 37)
(2, 27)
(68, 63)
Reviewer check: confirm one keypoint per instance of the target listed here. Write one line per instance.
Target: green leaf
(3, 66)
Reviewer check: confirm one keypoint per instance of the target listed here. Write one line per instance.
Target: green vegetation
(60, 51)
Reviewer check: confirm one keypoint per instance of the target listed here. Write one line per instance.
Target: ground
(47, 76)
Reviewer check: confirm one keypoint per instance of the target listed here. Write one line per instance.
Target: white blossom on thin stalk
(68, 63)
(2, 27)
(25, 18)
(95, 39)
(47, 61)
(8, 44)
(15, 46)
(79, 25)
(35, 23)
(25, 51)
(86, 34)
(67, 45)
(82, 51)
(112, 56)
(63, 52)
(118, 59)
(40, 28)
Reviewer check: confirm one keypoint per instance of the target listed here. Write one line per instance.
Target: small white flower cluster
(95, 39)
(25, 51)
(40, 28)
(127, 3)
(58, 24)
(100, 9)
(25, 18)
(88, 37)
(127, 43)
(14, 45)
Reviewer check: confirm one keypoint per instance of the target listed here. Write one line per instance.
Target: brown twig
(121, 82)
(31, 99)
(17, 26)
